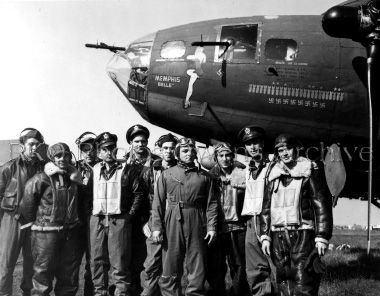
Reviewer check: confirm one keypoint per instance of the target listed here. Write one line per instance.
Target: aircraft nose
(129, 71)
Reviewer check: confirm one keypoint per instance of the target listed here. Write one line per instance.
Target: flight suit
(13, 177)
(153, 262)
(192, 209)
(297, 213)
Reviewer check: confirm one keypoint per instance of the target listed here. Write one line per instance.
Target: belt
(281, 228)
(184, 205)
(292, 227)
(178, 206)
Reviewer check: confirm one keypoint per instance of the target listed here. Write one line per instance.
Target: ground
(348, 272)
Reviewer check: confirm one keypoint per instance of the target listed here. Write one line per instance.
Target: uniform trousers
(139, 252)
(12, 240)
(88, 289)
(152, 268)
(230, 246)
(111, 242)
(257, 265)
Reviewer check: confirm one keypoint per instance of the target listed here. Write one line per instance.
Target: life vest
(107, 194)
(285, 208)
(254, 193)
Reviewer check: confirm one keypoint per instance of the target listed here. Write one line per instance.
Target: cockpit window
(281, 49)
(243, 42)
(138, 54)
(173, 49)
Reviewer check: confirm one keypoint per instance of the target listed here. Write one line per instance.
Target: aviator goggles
(222, 146)
(186, 142)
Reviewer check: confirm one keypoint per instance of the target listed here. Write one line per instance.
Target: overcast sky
(50, 81)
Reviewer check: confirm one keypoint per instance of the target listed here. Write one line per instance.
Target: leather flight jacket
(315, 205)
(50, 204)
(13, 177)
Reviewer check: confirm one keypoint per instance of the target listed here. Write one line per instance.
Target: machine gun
(102, 45)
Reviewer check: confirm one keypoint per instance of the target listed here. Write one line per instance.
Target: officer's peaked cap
(135, 130)
(251, 132)
(105, 139)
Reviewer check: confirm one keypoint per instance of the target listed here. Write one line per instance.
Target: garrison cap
(166, 138)
(251, 132)
(105, 139)
(135, 130)
(59, 148)
(30, 133)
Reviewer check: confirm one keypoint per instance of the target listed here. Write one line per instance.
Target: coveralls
(153, 262)
(297, 213)
(231, 238)
(257, 265)
(192, 208)
(13, 177)
(50, 204)
(117, 199)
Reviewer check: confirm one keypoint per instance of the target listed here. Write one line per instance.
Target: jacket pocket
(9, 200)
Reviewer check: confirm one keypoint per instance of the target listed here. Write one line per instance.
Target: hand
(321, 248)
(265, 247)
(210, 236)
(157, 236)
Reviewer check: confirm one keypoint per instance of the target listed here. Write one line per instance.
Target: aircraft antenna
(361, 24)
(370, 61)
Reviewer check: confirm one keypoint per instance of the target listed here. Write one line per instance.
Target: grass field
(348, 273)
(351, 272)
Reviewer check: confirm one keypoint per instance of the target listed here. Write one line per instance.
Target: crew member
(86, 146)
(138, 136)
(50, 204)
(117, 200)
(257, 265)
(13, 177)
(296, 221)
(141, 160)
(153, 262)
(230, 179)
(185, 208)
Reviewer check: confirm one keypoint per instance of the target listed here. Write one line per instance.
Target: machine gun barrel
(102, 45)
